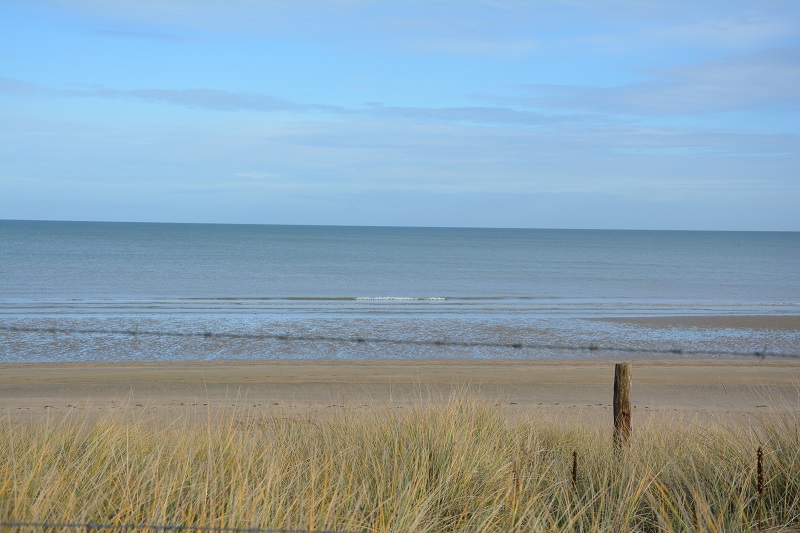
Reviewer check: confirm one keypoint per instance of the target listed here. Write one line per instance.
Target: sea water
(530, 286)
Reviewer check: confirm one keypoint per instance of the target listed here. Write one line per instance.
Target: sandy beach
(578, 391)
(573, 391)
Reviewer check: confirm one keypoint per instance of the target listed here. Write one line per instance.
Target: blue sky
(505, 113)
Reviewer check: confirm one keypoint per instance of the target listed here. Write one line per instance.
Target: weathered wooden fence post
(622, 404)
(575, 470)
(760, 481)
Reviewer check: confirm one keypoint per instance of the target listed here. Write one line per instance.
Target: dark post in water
(622, 404)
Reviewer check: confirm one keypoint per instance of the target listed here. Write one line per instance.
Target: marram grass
(447, 466)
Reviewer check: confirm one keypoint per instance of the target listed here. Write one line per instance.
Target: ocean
(530, 286)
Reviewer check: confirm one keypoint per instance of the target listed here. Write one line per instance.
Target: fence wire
(761, 354)
(92, 526)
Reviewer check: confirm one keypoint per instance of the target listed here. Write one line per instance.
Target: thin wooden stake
(760, 473)
(515, 487)
(760, 478)
(622, 404)
(575, 470)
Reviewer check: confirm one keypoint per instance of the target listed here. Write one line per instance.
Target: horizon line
(398, 226)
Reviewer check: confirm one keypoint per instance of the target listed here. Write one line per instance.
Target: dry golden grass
(452, 465)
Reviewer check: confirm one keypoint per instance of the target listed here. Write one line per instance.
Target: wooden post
(760, 480)
(622, 404)
(575, 470)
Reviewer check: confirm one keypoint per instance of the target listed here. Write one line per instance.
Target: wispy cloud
(758, 81)
(736, 32)
(140, 35)
(488, 48)
(473, 114)
(204, 99)
(259, 175)
(219, 100)
(213, 99)
(23, 88)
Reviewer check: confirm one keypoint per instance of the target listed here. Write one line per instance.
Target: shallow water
(470, 285)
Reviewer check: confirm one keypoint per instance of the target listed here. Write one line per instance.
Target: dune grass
(452, 465)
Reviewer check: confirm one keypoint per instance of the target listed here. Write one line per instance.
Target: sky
(620, 114)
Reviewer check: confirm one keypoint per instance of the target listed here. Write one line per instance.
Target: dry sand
(577, 391)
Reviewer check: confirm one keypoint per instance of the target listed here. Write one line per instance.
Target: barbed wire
(762, 354)
(89, 526)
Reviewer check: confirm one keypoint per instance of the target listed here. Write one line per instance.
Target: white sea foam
(401, 298)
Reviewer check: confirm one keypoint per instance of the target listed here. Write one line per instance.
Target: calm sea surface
(504, 285)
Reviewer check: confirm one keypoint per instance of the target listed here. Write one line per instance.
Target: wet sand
(784, 323)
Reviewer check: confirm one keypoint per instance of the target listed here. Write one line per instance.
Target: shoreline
(575, 389)
(755, 322)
